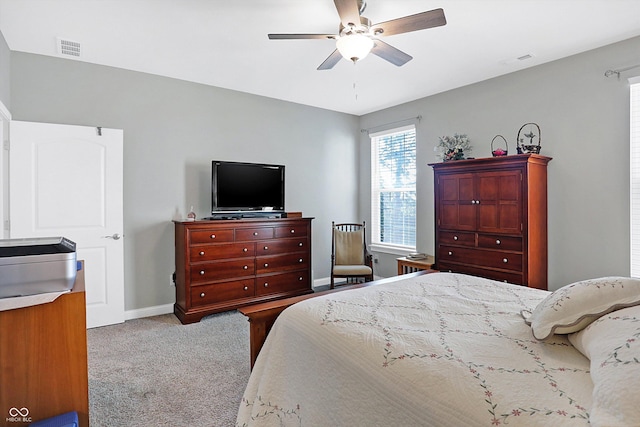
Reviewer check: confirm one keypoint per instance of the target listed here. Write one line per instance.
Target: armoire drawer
(481, 257)
(285, 282)
(281, 246)
(499, 275)
(496, 241)
(221, 292)
(227, 250)
(295, 261)
(457, 238)
(208, 272)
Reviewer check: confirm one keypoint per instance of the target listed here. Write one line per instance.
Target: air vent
(522, 58)
(68, 47)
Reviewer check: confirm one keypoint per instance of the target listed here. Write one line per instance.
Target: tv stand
(247, 215)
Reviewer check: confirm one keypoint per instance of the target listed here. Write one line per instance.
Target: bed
(447, 349)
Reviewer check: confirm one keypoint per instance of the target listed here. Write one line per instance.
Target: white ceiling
(224, 42)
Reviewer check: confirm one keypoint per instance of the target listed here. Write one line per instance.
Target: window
(635, 176)
(393, 188)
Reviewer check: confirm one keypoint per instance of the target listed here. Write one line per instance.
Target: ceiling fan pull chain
(355, 79)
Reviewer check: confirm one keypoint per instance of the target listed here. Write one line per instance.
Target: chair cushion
(351, 270)
(349, 247)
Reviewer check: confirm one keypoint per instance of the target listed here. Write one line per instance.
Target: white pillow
(612, 343)
(573, 307)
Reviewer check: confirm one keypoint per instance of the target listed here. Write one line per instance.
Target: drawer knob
(300, 244)
(450, 253)
(292, 231)
(213, 236)
(266, 285)
(455, 237)
(300, 279)
(246, 288)
(202, 272)
(202, 295)
(244, 249)
(505, 260)
(498, 241)
(201, 253)
(300, 260)
(266, 248)
(255, 233)
(245, 267)
(266, 265)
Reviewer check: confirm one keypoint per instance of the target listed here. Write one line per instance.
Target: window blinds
(635, 176)
(393, 188)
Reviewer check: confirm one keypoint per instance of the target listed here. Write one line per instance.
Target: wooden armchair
(349, 255)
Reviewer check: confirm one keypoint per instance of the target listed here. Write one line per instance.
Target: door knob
(114, 236)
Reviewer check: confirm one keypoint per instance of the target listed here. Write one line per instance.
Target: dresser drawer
(289, 231)
(496, 241)
(222, 270)
(282, 246)
(221, 292)
(488, 258)
(197, 237)
(279, 283)
(457, 238)
(250, 234)
(266, 264)
(226, 250)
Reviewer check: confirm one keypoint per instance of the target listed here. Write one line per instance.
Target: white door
(67, 181)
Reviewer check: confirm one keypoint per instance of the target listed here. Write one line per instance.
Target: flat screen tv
(239, 187)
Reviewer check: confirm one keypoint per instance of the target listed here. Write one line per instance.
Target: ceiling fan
(357, 36)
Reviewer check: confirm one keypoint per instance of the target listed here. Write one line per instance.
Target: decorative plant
(453, 147)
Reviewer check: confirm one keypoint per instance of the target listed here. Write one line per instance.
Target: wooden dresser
(226, 264)
(491, 218)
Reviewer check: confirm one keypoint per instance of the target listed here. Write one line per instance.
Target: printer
(36, 266)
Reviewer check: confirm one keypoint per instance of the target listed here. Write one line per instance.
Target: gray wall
(5, 74)
(584, 119)
(173, 128)
(172, 131)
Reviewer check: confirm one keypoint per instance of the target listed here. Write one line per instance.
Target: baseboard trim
(148, 312)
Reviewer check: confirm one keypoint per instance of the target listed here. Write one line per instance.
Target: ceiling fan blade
(300, 36)
(348, 11)
(332, 60)
(419, 21)
(390, 53)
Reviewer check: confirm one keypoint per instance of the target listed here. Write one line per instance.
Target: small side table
(406, 265)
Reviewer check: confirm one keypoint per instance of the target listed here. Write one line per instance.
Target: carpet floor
(157, 372)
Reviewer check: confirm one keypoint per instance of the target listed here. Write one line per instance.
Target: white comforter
(440, 349)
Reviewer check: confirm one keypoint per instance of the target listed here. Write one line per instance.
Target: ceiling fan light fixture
(355, 46)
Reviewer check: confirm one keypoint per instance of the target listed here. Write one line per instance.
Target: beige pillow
(612, 343)
(573, 307)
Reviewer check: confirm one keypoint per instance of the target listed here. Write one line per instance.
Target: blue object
(70, 419)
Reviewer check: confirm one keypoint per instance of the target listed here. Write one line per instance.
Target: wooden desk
(43, 359)
(262, 316)
(406, 265)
